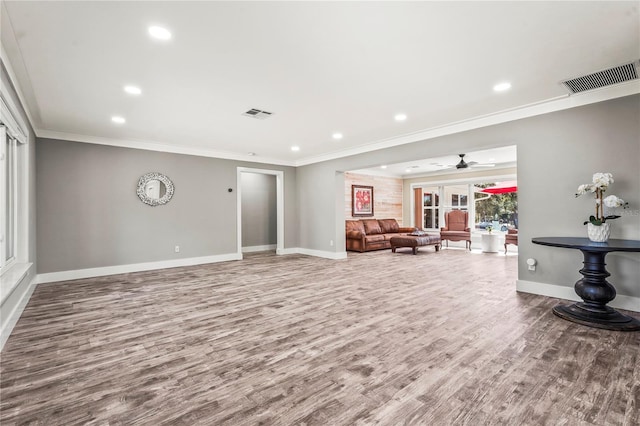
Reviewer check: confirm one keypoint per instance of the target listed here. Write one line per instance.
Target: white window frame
(449, 204)
(441, 183)
(13, 129)
(8, 159)
(435, 192)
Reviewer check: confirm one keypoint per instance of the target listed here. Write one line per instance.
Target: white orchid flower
(602, 180)
(586, 188)
(613, 201)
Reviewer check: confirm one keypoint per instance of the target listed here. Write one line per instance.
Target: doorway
(258, 194)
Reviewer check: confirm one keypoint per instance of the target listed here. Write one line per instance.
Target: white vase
(599, 234)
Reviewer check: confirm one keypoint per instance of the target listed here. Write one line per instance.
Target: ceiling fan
(464, 165)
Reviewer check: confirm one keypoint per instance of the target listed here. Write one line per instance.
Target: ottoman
(414, 242)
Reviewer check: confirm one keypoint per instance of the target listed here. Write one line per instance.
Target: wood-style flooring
(379, 338)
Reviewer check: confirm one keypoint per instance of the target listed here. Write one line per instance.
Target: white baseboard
(621, 301)
(316, 253)
(252, 249)
(285, 251)
(137, 267)
(14, 316)
(321, 253)
(150, 266)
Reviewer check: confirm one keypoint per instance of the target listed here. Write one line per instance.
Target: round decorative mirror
(155, 189)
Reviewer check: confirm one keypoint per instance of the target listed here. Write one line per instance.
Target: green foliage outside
(500, 207)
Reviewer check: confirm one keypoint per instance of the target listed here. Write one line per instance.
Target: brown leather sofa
(372, 234)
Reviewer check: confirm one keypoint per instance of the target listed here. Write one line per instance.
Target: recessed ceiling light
(384, 166)
(159, 33)
(295, 148)
(132, 90)
(501, 87)
(337, 136)
(118, 120)
(400, 117)
(408, 170)
(251, 154)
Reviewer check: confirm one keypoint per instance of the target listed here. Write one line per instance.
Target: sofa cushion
(371, 226)
(374, 238)
(388, 225)
(354, 225)
(455, 233)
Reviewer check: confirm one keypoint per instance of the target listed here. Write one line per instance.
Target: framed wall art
(361, 200)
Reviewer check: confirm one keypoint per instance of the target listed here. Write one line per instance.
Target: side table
(593, 288)
(490, 243)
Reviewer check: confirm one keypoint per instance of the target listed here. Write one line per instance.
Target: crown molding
(159, 147)
(10, 71)
(543, 107)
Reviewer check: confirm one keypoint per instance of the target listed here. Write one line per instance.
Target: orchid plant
(601, 182)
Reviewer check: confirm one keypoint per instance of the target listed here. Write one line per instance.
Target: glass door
(431, 208)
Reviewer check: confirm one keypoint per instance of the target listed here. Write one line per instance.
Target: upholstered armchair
(511, 237)
(456, 228)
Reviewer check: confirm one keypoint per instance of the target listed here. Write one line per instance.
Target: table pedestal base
(597, 316)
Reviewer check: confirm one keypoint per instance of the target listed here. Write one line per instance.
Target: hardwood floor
(379, 338)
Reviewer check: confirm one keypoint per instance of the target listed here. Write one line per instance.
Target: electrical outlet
(331, 243)
(177, 249)
(532, 264)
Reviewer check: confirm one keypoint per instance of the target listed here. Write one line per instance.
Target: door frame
(279, 174)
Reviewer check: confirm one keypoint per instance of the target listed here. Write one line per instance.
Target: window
(457, 196)
(9, 193)
(430, 205)
(12, 216)
(458, 201)
(497, 208)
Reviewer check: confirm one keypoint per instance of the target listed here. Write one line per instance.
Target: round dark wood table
(593, 288)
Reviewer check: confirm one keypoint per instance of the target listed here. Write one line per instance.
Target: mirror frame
(142, 183)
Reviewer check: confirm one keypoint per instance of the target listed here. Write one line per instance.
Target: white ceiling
(489, 159)
(320, 67)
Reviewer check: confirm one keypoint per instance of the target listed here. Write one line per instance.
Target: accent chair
(511, 237)
(456, 228)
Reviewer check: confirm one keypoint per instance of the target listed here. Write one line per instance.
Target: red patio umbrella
(501, 188)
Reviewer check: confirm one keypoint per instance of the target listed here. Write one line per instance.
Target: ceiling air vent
(257, 113)
(603, 78)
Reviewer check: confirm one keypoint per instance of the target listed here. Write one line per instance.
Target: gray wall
(90, 216)
(259, 209)
(14, 298)
(556, 152)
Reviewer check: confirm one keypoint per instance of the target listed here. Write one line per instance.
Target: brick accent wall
(387, 195)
